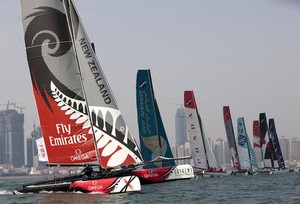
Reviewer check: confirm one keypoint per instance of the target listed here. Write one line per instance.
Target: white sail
(212, 161)
(195, 139)
(200, 145)
(42, 152)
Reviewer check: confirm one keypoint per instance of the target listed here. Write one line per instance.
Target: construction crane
(21, 108)
(11, 103)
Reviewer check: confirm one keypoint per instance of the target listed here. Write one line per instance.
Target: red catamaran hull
(108, 185)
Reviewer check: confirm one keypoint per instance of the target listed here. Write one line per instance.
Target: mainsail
(153, 138)
(76, 107)
(267, 147)
(202, 153)
(274, 138)
(245, 149)
(231, 138)
(115, 144)
(257, 143)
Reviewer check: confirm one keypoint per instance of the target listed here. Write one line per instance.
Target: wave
(5, 192)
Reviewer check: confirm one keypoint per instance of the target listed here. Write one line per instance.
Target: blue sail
(274, 138)
(153, 138)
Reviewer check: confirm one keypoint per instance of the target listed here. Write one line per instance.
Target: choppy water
(278, 188)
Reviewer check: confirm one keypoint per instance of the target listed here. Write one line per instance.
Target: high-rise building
(181, 129)
(183, 151)
(182, 146)
(227, 155)
(285, 147)
(219, 151)
(32, 152)
(295, 149)
(12, 137)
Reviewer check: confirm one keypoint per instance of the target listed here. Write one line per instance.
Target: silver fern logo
(115, 152)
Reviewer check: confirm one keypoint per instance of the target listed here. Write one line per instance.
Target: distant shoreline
(24, 176)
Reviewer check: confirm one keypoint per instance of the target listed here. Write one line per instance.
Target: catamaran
(204, 159)
(155, 148)
(80, 120)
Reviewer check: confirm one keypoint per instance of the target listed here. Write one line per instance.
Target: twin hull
(122, 184)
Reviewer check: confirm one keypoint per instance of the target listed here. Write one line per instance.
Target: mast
(204, 143)
(72, 32)
(115, 145)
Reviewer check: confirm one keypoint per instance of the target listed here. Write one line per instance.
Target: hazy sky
(245, 54)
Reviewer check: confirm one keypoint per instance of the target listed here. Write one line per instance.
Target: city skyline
(241, 54)
(290, 148)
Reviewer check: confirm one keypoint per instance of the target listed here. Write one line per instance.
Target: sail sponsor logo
(242, 140)
(95, 186)
(142, 84)
(150, 174)
(62, 140)
(144, 112)
(78, 156)
(42, 149)
(95, 71)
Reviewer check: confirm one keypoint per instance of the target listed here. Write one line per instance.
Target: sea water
(263, 188)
